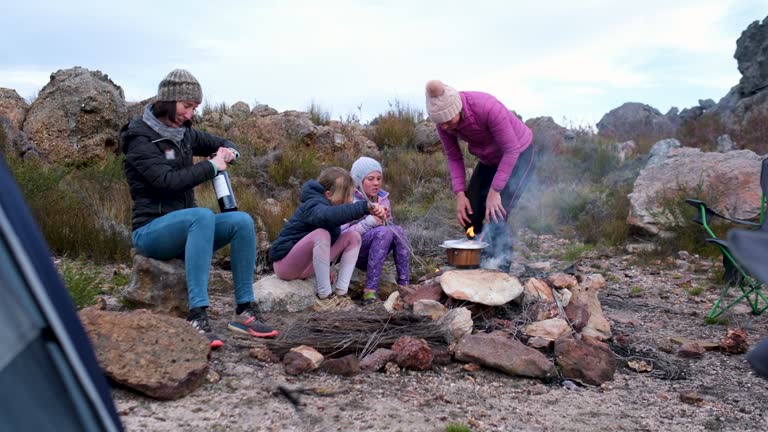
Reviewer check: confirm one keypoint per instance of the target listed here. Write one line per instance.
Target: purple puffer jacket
(494, 134)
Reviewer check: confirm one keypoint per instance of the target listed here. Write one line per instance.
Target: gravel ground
(646, 304)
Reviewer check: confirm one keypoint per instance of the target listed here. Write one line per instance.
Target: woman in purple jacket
(506, 160)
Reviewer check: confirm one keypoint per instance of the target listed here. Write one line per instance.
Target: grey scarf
(174, 134)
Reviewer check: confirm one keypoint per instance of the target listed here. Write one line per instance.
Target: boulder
(731, 182)
(263, 110)
(588, 360)
(562, 280)
(634, 121)
(157, 285)
(273, 294)
(161, 356)
(660, 150)
(76, 117)
(240, 110)
(486, 287)
(499, 351)
(725, 143)
(14, 108)
(426, 139)
(624, 150)
(427, 291)
(547, 135)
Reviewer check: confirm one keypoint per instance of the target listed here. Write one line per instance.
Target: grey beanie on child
(362, 167)
(179, 85)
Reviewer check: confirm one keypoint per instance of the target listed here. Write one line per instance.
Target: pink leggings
(314, 253)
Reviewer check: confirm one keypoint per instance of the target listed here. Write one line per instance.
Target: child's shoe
(369, 297)
(249, 322)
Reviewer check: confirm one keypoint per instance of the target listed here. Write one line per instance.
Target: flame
(471, 231)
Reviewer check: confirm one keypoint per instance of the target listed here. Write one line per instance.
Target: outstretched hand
(463, 209)
(494, 209)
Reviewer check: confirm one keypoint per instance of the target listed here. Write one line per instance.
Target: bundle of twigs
(356, 332)
(664, 366)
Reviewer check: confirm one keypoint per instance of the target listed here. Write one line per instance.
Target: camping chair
(735, 274)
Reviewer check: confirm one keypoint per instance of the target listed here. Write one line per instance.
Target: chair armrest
(699, 205)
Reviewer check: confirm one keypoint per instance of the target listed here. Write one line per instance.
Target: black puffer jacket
(315, 211)
(160, 172)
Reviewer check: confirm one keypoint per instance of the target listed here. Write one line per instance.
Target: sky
(571, 60)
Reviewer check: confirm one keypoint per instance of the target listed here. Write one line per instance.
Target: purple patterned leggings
(376, 245)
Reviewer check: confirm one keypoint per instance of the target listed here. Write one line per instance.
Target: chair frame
(735, 274)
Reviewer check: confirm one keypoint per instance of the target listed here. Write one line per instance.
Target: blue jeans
(194, 234)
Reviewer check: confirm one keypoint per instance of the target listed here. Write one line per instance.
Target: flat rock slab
(161, 356)
(486, 287)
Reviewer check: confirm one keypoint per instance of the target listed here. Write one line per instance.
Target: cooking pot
(464, 253)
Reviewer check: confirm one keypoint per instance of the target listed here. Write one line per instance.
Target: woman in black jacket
(167, 224)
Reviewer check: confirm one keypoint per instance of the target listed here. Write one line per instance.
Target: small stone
(691, 350)
(691, 397)
(735, 341)
(471, 367)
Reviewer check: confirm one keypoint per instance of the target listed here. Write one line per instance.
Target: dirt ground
(647, 304)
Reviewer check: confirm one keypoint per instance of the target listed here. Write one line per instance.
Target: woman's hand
(494, 210)
(463, 210)
(222, 157)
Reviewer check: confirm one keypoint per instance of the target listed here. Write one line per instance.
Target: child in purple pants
(312, 239)
(379, 235)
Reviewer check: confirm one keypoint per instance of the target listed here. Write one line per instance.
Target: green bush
(82, 281)
(80, 213)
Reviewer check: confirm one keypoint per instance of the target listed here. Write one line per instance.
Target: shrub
(77, 210)
(396, 127)
(701, 132)
(753, 135)
(299, 163)
(318, 115)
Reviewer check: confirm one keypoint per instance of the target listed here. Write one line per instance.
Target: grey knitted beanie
(179, 85)
(362, 167)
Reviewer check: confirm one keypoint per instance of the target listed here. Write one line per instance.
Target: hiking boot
(200, 323)
(249, 322)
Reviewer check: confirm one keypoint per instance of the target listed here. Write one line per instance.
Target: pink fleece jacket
(494, 134)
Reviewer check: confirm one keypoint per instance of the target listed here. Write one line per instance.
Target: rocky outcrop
(76, 117)
(160, 356)
(752, 56)
(727, 182)
(634, 121)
